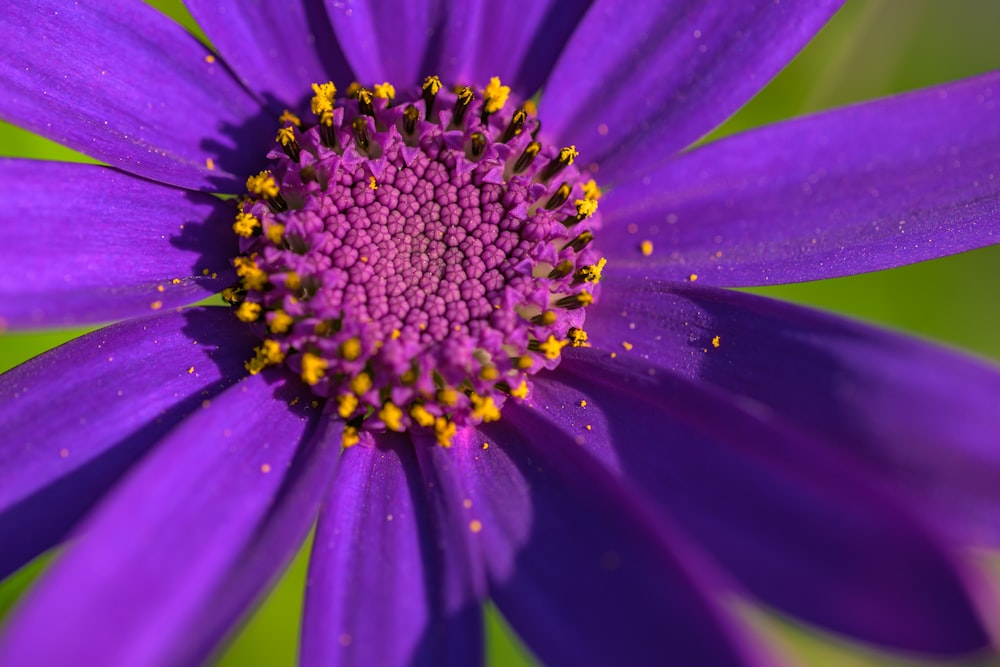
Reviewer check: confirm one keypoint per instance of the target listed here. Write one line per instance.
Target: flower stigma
(416, 255)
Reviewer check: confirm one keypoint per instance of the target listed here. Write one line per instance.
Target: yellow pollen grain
(160, 288)
(248, 312)
(475, 525)
(421, 415)
(372, 183)
(275, 232)
(586, 208)
(349, 439)
(346, 405)
(577, 337)
(270, 350)
(495, 95)
(646, 248)
(583, 404)
(693, 277)
(265, 468)
(396, 333)
(386, 91)
(253, 277)
(717, 341)
(350, 349)
(313, 368)
(210, 164)
(209, 58)
(190, 370)
(591, 191)
(392, 416)
(322, 101)
(627, 345)
(361, 383)
(175, 281)
(156, 305)
(486, 445)
(280, 321)
(589, 427)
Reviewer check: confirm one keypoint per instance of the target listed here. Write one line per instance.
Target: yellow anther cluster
(552, 346)
(247, 269)
(484, 408)
(592, 273)
(568, 154)
(386, 91)
(346, 405)
(444, 431)
(267, 354)
(495, 95)
(421, 415)
(275, 232)
(263, 185)
(288, 117)
(392, 416)
(591, 191)
(361, 383)
(280, 321)
(248, 312)
(286, 136)
(432, 84)
(313, 368)
(246, 224)
(520, 391)
(585, 208)
(292, 281)
(350, 349)
(323, 101)
(577, 337)
(465, 95)
(350, 436)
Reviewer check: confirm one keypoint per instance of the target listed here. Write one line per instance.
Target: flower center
(416, 257)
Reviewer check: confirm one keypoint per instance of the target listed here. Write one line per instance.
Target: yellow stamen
(280, 321)
(585, 208)
(421, 415)
(346, 405)
(495, 95)
(361, 383)
(350, 436)
(484, 409)
(552, 346)
(350, 349)
(248, 312)
(385, 91)
(289, 117)
(275, 232)
(263, 184)
(444, 431)
(392, 416)
(646, 248)
(591, 191)
(521, 391)
(246, 224)
(313, 368)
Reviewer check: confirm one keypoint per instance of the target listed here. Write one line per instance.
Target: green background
(872, 48)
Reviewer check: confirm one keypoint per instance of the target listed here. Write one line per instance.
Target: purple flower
(554, 404)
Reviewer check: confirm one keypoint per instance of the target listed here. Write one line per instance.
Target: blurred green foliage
(872, 48)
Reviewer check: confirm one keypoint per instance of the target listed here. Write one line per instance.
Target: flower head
(481, 331)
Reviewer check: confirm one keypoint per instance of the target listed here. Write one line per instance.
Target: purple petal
(922, 417)
(152, 557)
(76, 417)
(858, 189)
(639, 81)
(124, 84)
(378, 589)
(277, 49)
(276, 541)
(386, 41)
(578, 565)
(769, 504)
(518, 41)
(85, 244)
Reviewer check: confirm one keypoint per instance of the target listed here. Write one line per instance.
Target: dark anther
(516, 125)
(561, 270)
(581, 241)
(527, 157)
(565, 158)
(292, 150)
(431, 86)
(277, 203)
(410, 117)
(574, 301)
(365, 102)
(359, 127)
(465, 96)
(478, 144)
(559, 197)
(327, 136)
